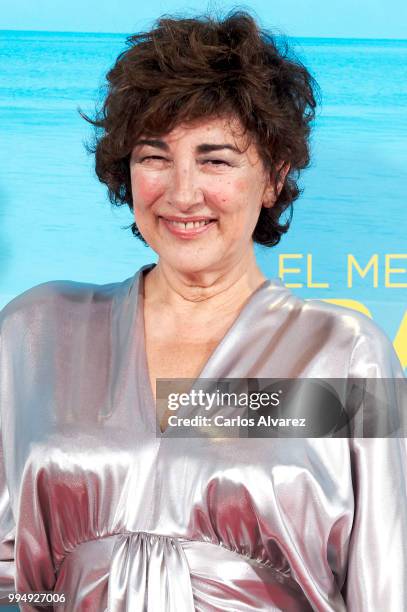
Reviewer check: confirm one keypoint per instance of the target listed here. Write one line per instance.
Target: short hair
(186, 69)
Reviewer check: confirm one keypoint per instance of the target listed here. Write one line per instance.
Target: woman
(203, 130)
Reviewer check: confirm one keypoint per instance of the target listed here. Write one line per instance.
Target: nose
(184, 191)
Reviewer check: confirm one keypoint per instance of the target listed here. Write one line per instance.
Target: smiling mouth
(188, 229)
(188, 225)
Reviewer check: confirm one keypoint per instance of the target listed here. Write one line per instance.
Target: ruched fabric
(95, 504)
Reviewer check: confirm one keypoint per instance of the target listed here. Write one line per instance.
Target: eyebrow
(202, 148)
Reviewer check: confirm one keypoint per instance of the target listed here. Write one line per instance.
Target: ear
(271, 194)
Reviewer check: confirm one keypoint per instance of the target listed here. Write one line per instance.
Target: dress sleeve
(377, 561)
(7, 526)
(6, 536)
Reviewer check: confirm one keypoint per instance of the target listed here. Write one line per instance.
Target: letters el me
(392, 276)
(353, 266)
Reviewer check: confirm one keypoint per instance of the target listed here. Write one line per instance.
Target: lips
(189, 224)
(187, 227)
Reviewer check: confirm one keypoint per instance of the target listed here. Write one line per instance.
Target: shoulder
(372, 354)
(336, 338)
(356, 321)
(323, 317)
(58, 299)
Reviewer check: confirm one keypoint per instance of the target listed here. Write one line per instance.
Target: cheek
(240, 191)
(229, 195)
(237, 197)
(145, 190)
(242, 186)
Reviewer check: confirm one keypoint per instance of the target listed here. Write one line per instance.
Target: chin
(190, 265)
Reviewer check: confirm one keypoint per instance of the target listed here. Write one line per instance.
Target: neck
(203, 290)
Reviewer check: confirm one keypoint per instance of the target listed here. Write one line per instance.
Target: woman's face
(197, 194)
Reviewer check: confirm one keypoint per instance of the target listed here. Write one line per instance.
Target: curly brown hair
(188, 69)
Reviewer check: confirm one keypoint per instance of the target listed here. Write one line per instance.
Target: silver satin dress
(95, 505)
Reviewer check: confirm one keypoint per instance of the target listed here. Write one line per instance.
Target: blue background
(316, 18)
(55, 220)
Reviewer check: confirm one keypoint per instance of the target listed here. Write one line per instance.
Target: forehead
(212, 130)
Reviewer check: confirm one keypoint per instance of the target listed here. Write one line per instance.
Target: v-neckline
(145, 373)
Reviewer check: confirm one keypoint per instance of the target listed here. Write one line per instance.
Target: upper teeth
(190, 224)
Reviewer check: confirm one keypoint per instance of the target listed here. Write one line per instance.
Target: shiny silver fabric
(118, 519)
